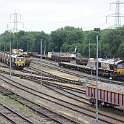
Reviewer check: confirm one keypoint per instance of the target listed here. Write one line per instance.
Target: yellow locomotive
(109, 68)
(20, 52)
(112, 67)
(17, 61)
(120, 68)
(27, 59)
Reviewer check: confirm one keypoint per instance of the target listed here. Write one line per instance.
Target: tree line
(111, 41)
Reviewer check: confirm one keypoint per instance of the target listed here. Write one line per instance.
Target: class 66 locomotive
(109, 68)
(17, 61)
(113, 68)
(22, 54)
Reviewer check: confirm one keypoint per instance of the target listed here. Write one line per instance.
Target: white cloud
(48, 15)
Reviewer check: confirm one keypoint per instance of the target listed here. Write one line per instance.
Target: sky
(49, 15)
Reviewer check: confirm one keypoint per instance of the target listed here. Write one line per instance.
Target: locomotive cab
(18, 62)
(120, 68)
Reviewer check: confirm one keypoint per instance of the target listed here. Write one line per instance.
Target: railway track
(57, 117)
(38, 79)
(40, 110)
(51, 76)
(68, 103)
(53, 65)
(13, 116)
(55, 87)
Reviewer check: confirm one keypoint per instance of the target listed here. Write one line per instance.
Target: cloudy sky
(49, 15)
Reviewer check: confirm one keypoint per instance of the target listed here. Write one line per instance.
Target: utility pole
(41, 62)
(15, 22)
(27, 46)
(44, 50)
(90, 56)
(117, 15)
(90, 44)
(97, 30)
(89, 50)
(10, 59)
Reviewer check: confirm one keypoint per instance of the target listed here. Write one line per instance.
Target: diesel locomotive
(17, 61)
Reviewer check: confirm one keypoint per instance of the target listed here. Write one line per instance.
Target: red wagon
(108, 94)
(82, 61)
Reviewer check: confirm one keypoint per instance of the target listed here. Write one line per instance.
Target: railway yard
(45, 93)
(61, 64)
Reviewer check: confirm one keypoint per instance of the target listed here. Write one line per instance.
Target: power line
(117, 15)
(15, 21)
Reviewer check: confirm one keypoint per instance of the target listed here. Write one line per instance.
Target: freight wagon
(107, 68)
(60, 58)
(82, 61)
(108, 94)
(32, 54)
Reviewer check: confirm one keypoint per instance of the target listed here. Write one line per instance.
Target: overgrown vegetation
(111, 41)
(16, 104)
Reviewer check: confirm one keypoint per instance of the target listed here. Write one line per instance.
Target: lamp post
(10, 54)
(44, 50)
(97, 30)
(90, 56)
(89, 50)
(41, 60)
(10, 59)
(90, 44)
(27, 46)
